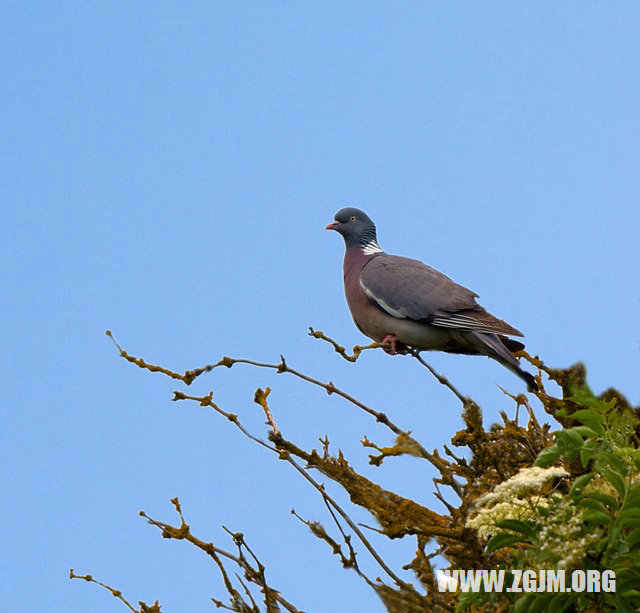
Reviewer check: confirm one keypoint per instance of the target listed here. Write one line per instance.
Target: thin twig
(114, 592)
(319, 531)
(357, 349)
(261, 399)
(521, 399)
(440, 497)
(254, 605)
(140, 363)
(372, 528)
(440, 378)
(269, 596)
(207, 401)
(352, 525)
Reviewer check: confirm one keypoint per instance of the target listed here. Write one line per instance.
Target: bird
(405, 304)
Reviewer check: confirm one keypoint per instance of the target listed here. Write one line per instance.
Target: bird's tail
(510, 344)
(495, 347)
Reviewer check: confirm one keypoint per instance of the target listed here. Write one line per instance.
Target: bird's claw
(393, 346)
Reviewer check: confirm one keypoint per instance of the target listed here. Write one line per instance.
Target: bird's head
(355, 226)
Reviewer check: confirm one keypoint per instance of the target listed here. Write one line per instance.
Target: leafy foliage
(591, 520)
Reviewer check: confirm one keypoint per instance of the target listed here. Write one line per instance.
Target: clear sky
(167, 172)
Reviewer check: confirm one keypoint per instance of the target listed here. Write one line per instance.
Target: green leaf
(605, 499)
(598, 517)
(585, 431)
(622, 548)
(561, 602)
(585, 397)
(617, 480)
(586, 455)
(584, 416)
(629, 516)
(467, 599)
(593, 505)
(626, 578)
(592, 419)
(569, 442)
(580, 482)
(522, 604)
(601, 545)
(498, 541)
(615, 461)
(548, 456)
(539, 603)
(623, 605)
(632, 499)
(569, 438)
(614, 534)
(517, 525)
(633, 538)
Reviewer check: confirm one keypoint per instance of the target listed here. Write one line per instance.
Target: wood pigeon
(405, 303)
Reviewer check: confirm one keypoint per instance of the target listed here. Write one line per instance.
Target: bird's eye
(352, 218)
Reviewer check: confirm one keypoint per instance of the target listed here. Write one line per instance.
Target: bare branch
(261, 399)
(255, 575)
(357, 349)
(140, 363)
(269, 596)
(144, 608)
(207, 401)
(440, 497)
(319, 531)
(440, 378)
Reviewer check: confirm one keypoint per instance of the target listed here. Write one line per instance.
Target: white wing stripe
(382, 303)
(463, 322)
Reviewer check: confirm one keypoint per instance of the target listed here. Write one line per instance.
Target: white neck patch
(371, 248)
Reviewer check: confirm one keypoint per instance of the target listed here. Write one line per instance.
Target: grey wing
(407, 288)
(412, 289)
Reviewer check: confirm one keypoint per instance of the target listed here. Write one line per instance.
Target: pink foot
(395, 345)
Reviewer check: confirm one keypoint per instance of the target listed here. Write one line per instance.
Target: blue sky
(167, 173)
